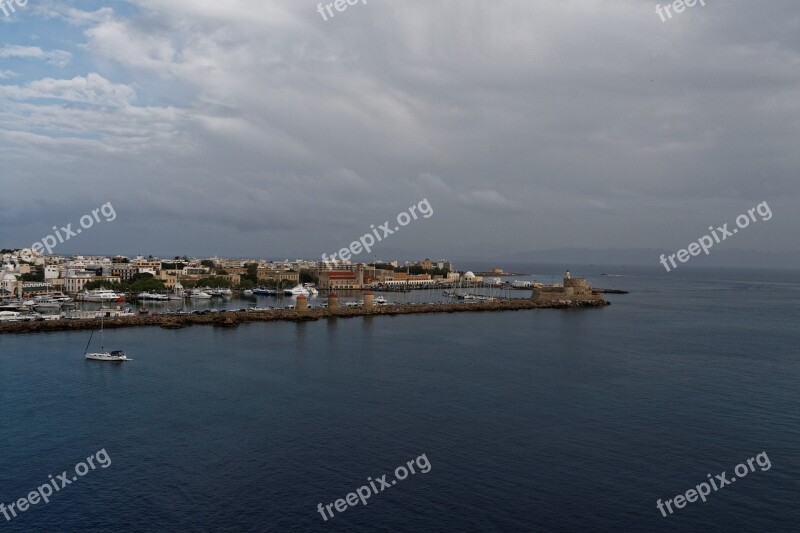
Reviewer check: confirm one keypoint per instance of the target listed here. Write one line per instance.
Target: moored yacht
(302, 288)
(198, 294)
(263, 291)
(100, 295)
(219, 293)
(152, 296)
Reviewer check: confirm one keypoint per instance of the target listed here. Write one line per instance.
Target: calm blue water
(532, 421)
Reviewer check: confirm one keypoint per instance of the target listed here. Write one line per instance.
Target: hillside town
(53, 274)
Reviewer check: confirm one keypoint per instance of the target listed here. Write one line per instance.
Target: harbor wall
(233, 319)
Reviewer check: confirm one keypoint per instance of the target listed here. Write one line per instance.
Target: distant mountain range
(717, 258)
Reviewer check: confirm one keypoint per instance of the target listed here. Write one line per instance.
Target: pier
(234, 319)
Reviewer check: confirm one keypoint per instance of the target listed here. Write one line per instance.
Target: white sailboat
(104, 355)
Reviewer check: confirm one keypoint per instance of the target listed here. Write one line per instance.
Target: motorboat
(380, 300)
(9, 316)
(47, 307)
(12, 305)
(262, 291)
(248, 292)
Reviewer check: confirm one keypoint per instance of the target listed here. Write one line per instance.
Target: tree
(208, 263)
(213, 281)
(247, 284)
(138, 283)
(252, 273)
(308, 276)
(36, 275)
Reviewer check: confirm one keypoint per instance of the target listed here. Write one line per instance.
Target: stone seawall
(233, 319)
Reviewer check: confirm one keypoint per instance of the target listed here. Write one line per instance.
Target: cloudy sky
(257, 128)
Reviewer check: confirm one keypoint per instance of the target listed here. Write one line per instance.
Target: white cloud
(60, 58)
(92, 89)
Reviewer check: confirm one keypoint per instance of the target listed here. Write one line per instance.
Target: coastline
(234, 319)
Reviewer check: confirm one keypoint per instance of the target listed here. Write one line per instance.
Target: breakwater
(234, 319)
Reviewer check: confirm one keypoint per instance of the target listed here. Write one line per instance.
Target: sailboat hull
(105, 356)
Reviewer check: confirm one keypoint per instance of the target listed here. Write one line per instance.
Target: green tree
(36, 275)
(247, 284)
(308, 276)
(213, 282)
(252, 273)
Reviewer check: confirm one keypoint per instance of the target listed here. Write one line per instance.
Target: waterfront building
(9, 284)
(123, 271)
(340, 279)
(153, 264)
(279, 276)
(75, 280)
(51, 272)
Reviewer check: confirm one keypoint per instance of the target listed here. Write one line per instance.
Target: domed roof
(8, 276)
(469, 274)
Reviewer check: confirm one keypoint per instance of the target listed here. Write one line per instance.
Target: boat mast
(88, 343)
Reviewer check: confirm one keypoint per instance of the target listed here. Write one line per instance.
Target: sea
(537, 420)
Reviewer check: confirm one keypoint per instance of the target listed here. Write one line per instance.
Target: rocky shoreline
(234, 319)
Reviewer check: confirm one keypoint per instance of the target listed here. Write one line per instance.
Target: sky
(260, 128)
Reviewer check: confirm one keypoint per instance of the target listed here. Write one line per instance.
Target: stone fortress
(573, 290)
